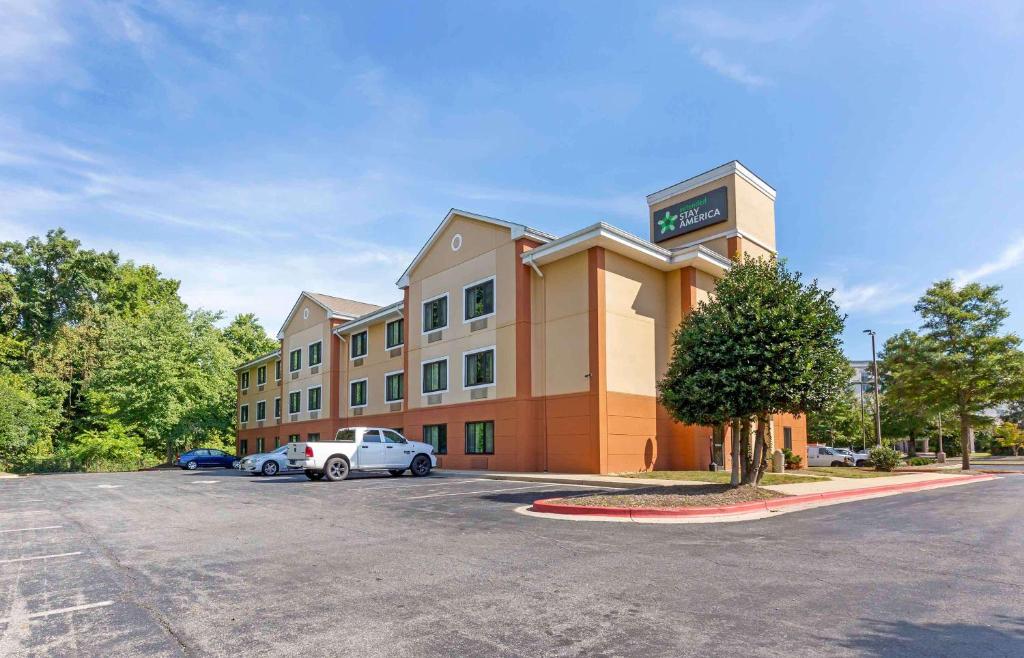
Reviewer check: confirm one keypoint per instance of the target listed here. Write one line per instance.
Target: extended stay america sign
(690, 215)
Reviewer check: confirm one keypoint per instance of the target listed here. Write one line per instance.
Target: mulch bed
(708, 495)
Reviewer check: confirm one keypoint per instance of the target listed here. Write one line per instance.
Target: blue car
(205, 458)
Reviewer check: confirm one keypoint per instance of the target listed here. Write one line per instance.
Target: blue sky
(254, 152)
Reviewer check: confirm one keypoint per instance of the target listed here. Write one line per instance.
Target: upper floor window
(359, 343)
(277, 407)
(313, 399)
(245, 380)
(435, 376)
(315, 353)
(243, 413)
(277, 370)
(394, 386)
(357, 393)
(479, 300)
(435, 313)
(261, 410)
(294, 360)
(395, 331)
(294, 402)
(261, 375)
(478, 368)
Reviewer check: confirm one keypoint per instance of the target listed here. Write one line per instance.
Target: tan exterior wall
(560, 307)
(254, 394)
(637, 325)
(375, 365)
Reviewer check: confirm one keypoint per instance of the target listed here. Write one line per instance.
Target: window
(261, 375)
(359, 344)
(277, 370)
(435, 313)
(478, 368)
(313, 437)
(295, 402)
(293, 438)
(243, 447)
(479, 300)
(294, 360)
(787, 438)
(437, 436)
(316, 353)
(391, 436)
(261, 410)
(277, 442)
(348, 436)
(371, 436)
(313, 398)
(243, 413)
(394, 386)
(435, 376)
(259, 444)
(245, 380)
(277, 407)
(395, 332)
(357, 393)
(480, 438)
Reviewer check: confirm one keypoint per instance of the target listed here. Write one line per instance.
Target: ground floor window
(787, 438)
(293, 438)
(243, 447)
(259, 444)
(480, 437)
(277, 442)
(313, 437)
(437, 436)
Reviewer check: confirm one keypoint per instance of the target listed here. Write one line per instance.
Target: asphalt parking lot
(174, 563)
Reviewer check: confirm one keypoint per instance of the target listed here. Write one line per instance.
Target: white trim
(494, 293)
(277, 408)
(353, 343)
(244, 381)
(257, 360)
(356, 381)
(392, 374)
(278, 372)
(290, 412)
(265, 378)
(264, 403)
(494, 367)
(321, 361)
(246, 407)
(734, 167)
(448, 313)
(305, 293)
(517, 231)
(731, 233)
(290, 352)
(402, 344)
(447, 376)
(370, 318)
(310, 388)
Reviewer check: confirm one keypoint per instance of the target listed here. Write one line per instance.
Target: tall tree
(841, 423)
(964, 361)
(765, 344)
(247, 338)
(908, 403)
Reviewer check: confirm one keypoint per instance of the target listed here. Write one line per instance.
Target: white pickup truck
(362, 449)
(819, 455)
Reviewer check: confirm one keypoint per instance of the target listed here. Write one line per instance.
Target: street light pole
(874, 368)
(863, 428)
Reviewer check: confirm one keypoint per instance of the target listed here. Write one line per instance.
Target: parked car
(267, 463)
(204, 458)
(362, 449)
(819, 455)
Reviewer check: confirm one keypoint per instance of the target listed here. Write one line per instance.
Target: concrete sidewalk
(851, 484)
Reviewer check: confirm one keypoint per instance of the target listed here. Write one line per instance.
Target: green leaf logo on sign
(668, 222)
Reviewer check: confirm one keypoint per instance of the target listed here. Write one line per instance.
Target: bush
(920, 461)
(885, 458)
(792, 459)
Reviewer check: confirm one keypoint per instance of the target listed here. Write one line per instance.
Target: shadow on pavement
(892, 639)
(528, 497)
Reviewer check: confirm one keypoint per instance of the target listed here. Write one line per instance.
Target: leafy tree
(247, 338)
(25, 419)
(134, 289)
(963, 361)
(1009, 436)
(840, 423)
(907, 405)
(765, 344)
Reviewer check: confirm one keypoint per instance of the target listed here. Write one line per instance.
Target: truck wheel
(315, 475)
(395, 472)
(420, 466)
(270, 468)
(335, 469)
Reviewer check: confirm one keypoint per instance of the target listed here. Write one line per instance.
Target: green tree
(1009, 436)
(134, 289)
(840, 423)
(964, 361)
(765, 344)
(908, 405)
(247, 339)
(25, 419)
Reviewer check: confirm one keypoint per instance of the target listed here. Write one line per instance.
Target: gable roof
(260, 359)
(336, 307)
(518, 231)
(383, 313)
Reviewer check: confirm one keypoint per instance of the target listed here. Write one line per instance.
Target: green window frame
(295, 402)
(480, 437)
(394, 387)
(437, 436)
(435, 376)
(478, 368)
(293, 438)
(357, 393)
(435, 314)
(313, 398)
(316, 353)
(395, 333)
(295, 360)
(478, 300)
(360, 344)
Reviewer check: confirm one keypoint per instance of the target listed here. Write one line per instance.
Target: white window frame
(277, 408)
(448, 319)
(389, 374)
(244, 378)
(352, 342)
(356, 381)
(264, 369)
(278, 370)
(290, 352)
(258, 403)
(494, 367)
(246, 407)
(448, 372)
(393, 347)
(290, 412)
(321, 362)
(466, 287)
(310, 388)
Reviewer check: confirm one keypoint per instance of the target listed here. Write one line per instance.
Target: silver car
(266, 463)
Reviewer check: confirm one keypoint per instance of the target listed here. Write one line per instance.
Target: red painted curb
(548, 506)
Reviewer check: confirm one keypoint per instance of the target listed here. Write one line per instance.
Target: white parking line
(205, 482)
(42, 527)
(467, 493)
(109, 486)
(39, 557)
(23, 511)
(57, 611)
(27, 500)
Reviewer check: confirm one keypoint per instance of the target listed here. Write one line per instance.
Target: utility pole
(940, 456)
(863, 428)
(874, 368)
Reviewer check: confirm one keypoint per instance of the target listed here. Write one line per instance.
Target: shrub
(920, 461)
(885, 458)
(792, 460)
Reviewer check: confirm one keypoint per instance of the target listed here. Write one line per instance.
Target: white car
(819, 455)
(362, 449)
(267, 463)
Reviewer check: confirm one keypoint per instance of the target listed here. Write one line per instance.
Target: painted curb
(548, 506)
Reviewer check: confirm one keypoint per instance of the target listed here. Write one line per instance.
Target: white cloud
(1010, 257)
(735, 71)
(776, 26)
(32, 38)
(871, 297)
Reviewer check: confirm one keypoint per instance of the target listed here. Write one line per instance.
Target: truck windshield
(346, 435)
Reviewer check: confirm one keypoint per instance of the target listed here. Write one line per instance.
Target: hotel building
(513, 349)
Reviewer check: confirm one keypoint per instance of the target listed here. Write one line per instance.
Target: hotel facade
(513, 349)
